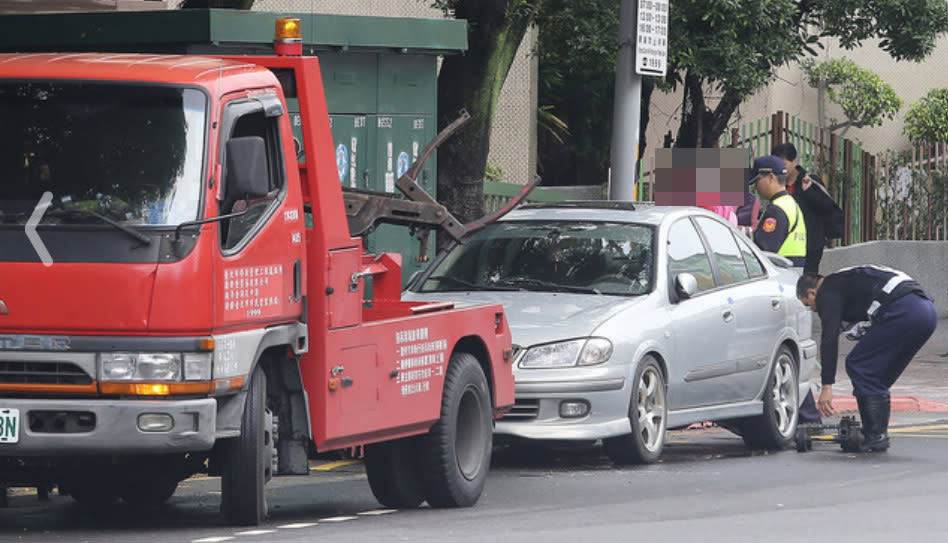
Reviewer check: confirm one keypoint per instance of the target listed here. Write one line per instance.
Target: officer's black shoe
(875, 422)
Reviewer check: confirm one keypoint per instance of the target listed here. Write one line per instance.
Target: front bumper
(536, 413)
(115, 429)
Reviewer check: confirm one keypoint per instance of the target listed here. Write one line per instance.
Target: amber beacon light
(288, 37)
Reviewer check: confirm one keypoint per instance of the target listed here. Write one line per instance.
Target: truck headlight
(564, 354)
(141, 367)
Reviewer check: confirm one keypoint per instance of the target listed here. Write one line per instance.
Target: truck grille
(522, 411)
(42, 373)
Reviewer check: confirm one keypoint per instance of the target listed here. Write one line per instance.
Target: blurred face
(810, 299)
(765, 185)
(791, 166)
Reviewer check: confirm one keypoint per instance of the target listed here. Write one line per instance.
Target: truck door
(262, 245)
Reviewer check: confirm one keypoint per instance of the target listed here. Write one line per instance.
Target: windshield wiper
(531, 283)
(145, 240)
(468, 284)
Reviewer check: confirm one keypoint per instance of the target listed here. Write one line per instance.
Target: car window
(725, 250)
(556, 256)
(754, 267)
(686, 254)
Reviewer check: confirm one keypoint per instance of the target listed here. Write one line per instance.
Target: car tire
(456, 451)
(246, 460)
(648, 415)
(775, 428)
(394, 473)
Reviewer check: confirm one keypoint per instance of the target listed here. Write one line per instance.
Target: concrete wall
(923, 260)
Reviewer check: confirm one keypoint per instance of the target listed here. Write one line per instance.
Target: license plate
(9, 425)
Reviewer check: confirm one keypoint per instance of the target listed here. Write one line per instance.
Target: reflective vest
(795, 242)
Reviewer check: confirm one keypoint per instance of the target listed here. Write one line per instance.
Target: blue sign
(402, 165)
(342, 162)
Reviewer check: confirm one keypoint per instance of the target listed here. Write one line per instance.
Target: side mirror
(247, 173)
(686, 285)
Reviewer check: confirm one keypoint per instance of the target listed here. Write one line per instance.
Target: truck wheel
(149, 493)
(394, 473)
(456, 451)
(246, 460)
(648, 415)
(775, 428)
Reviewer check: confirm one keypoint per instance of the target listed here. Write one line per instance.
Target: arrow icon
(34, 238)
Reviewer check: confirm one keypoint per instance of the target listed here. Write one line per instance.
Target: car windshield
(131, 153)
(553, 256)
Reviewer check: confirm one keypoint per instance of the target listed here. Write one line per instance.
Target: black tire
(775, 428)
(456, 451)
(394, 473)
(149, 493)
(246, 461)
(648, 415)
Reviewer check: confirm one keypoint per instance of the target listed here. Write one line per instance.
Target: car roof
(601, 211)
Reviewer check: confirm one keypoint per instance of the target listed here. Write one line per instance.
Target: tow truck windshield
(130, 153)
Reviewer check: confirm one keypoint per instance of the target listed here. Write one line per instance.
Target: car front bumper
(536, 413)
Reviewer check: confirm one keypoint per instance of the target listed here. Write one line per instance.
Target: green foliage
(926, 121)
(576, 50)
(493, 172)
(734, 46)
(865, 98)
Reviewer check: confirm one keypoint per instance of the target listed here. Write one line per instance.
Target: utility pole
(626, 113)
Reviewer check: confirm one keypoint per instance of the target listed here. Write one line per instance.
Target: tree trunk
(700, 126)
(473, 81)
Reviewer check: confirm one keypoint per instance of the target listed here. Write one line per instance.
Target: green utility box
(379, 73)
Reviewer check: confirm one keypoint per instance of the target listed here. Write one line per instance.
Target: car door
(701, 326)
(756, 319)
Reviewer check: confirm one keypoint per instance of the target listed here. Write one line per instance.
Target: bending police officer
(890, 316)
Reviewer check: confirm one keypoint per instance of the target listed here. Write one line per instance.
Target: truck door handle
(297, 280)
(728, 315)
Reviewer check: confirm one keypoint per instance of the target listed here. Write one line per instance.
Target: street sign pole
(626, 115)
(643, 50)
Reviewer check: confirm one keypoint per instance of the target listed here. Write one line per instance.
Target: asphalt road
(707, 487)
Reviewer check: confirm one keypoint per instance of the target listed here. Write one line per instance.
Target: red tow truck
(179, 294)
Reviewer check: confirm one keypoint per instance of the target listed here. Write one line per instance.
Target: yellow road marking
(918, 428)
(334, 465)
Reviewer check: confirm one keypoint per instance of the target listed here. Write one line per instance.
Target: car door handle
(728, 315)
(776, 303)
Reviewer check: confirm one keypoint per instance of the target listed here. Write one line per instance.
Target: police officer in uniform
(781, 229)
(890, 316)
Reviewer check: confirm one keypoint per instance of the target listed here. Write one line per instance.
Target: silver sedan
(627, 322)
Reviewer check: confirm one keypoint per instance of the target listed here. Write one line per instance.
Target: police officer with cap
(890, 316)
(781, 229)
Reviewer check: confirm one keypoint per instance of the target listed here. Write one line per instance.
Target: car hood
(542, 317)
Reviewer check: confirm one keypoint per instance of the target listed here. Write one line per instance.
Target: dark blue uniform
(902, 321)
(892, 317)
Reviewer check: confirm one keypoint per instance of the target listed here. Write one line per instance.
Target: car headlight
(155, 366)
(564, 354)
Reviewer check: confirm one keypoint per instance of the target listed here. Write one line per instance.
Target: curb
(899, 403)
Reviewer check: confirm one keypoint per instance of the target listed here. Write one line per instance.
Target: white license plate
(9, 425)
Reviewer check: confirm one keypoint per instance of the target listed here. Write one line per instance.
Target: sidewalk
(923, 387)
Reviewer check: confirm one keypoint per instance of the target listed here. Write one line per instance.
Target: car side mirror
(686, 285)
(247, 173)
